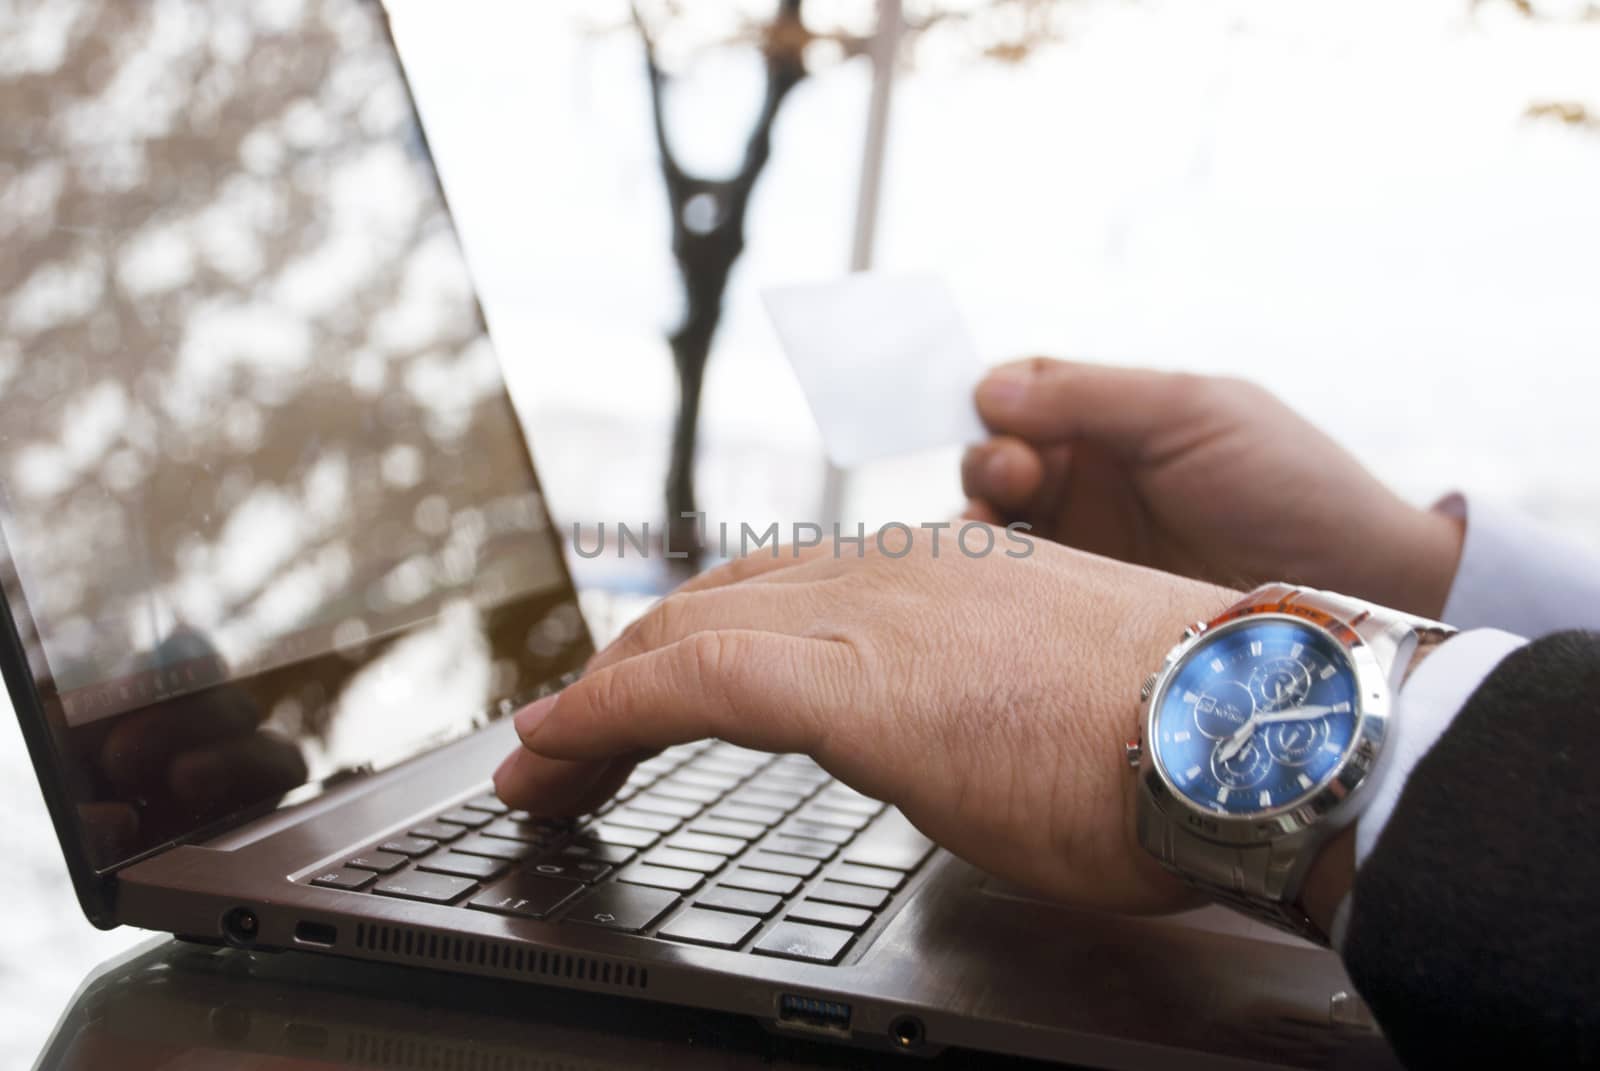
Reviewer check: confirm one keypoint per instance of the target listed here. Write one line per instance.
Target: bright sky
(1341, 199)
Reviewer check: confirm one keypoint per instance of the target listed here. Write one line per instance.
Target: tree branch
(671, 170)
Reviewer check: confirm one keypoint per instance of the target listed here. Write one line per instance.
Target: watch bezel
(1329, 803)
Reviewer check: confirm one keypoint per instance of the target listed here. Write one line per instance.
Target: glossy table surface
(175, 1006)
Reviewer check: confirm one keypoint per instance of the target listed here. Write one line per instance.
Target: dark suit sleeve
(1474, 930)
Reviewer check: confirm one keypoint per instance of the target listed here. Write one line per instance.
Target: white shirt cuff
(1424, 709)
(1517, 576)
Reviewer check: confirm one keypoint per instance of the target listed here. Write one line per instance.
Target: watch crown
(1133, 751)
(1147, 687)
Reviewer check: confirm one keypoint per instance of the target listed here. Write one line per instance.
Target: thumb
(1048, 401)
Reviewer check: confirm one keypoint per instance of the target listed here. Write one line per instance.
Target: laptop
(277, 566)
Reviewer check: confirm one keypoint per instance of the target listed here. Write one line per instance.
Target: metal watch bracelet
(1264, 881)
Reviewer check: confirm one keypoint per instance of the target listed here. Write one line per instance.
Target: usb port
(814, 1013)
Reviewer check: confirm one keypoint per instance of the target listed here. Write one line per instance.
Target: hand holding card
(885, 363)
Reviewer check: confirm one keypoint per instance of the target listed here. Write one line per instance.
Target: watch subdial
(1280, 683)
(1293, 743)
(1218, 712)
(1244, 768)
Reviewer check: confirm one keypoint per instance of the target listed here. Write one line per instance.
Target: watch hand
(1232, 746)
(1294, 714)
(1235, 743)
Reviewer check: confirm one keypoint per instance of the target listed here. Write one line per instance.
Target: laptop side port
(316, 934)
(813, 1013)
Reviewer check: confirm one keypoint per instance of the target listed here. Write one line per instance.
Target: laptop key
(810, 849)
(760, 797)
(771, 781)
(873, 876)
(512, 851)
(661, 877)
(430, 888)
(705, 842)
(615, 854)
(834, 892)
(531, 831)
(846, 918)
(727, 827)
(382, 862)
(800, 827)
(746, 812)
(830, 817)
(761, 881)
(531, 896)
(462, 816)
(622, 836)
(780, 864)
(683, 790)
(743, 901)
(465, 866)
(629, 908)
(703, 862)
(716, 764)
(572, 867)
(694, 775)
(651, 820)
(649, 801)
(487, 802)
(437, 831)
(798, 940)
(715, 928)
(412, 846)
(844, 799)
(890, 841)
(347, 879)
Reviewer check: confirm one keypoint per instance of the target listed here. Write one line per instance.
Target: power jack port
(241, 927)
(907, 1031)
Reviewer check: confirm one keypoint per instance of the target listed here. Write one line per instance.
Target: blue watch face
(1257, 717)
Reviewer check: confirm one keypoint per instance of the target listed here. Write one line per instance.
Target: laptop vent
(389, 1051)
(443, 949)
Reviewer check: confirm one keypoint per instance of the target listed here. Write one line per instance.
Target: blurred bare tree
(709, 213)
(1572, 113)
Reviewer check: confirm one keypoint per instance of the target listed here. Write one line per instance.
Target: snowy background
(1345, 201)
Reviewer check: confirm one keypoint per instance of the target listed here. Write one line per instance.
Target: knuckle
(659, 626)
(709, 658)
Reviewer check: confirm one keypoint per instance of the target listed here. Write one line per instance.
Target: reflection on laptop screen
(267, 510)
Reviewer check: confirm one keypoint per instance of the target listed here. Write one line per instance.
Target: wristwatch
(1263, 735)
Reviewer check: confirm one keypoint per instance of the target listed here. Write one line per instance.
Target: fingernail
(1004, 387)
(529, 718)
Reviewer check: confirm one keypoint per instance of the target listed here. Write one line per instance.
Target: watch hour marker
(1265, 798)
(1255, 647)
(1190, 697)
(1305, 782)
(1222, 794)
(1294, 652)
(1191, 773)
(1332, 747)
(1216, 665)
(1341, 708)
(1180, 736)
(1327, 671)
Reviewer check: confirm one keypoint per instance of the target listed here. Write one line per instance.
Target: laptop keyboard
(707, 844)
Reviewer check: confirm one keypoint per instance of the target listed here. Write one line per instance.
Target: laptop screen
(268, 513)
